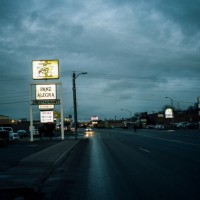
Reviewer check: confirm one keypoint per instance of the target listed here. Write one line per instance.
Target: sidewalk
(35, 168)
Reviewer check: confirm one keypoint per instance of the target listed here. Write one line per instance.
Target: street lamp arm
(127, 111)
(75, 77)
(170, 100)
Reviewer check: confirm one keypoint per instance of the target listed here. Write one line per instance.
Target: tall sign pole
(31, 116)
(46, 93)
(61, 113)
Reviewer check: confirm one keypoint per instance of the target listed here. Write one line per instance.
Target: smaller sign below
(46, 107)
(160, 115)
(46, 116)
(46, 102)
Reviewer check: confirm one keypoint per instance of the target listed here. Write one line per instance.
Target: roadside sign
(46, 107)
(45, 91)
(46, 102)
(45, 69)
(169, 113)
(46, 116)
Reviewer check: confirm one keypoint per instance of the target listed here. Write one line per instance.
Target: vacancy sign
(46, 116)
(44, 92)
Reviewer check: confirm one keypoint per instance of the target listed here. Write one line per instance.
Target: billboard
(46, 116)
(45, 91)
(94, 118)
(45, 69)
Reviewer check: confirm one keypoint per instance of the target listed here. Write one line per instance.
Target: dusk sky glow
(135, 53)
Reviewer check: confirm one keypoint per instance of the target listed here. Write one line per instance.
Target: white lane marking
(178, 141)
(170, 140)
(144, 150)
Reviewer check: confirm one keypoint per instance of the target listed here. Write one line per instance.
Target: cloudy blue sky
(136, 53)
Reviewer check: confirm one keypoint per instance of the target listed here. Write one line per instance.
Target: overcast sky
(136, 53)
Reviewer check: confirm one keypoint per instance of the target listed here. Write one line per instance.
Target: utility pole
(74, 77)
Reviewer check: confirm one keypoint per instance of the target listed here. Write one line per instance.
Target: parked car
(150, 126)
(22, 133)
(182, 125)
(72, 129)
(4, 137)
(159, 126)
(13, 137)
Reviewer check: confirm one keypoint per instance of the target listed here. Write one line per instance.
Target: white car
(88, 129)
(22, 133)
(182, 124)
(13, 137)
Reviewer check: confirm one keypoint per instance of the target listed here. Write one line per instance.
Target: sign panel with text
(46, 102)
(45, 92)
(46, 107)
(46, 116)
(45, 69)
(169, 113)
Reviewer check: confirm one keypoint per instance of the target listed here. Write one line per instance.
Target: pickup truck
(4, 137)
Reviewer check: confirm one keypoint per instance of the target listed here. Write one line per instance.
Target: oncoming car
(88, 129)
(88, 132)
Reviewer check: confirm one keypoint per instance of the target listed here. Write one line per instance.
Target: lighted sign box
(94, 118)
(45, 92)
(45, 69)
(46, 116)
(46, 107)
(169, 113)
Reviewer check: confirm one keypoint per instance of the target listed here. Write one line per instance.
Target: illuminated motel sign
(45, 69)
(45, 95)
(169, 113)
(45, 92)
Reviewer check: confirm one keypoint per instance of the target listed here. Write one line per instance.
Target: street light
(74, 77)
(170, 100)
(128, 111)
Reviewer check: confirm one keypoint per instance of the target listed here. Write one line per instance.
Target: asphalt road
(118, 164)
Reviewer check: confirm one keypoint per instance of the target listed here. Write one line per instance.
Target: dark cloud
(135, 52)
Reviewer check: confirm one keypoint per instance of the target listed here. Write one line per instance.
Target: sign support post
(61, 113)
(31, 116)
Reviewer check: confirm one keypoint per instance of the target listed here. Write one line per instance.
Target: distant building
(6, 121)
